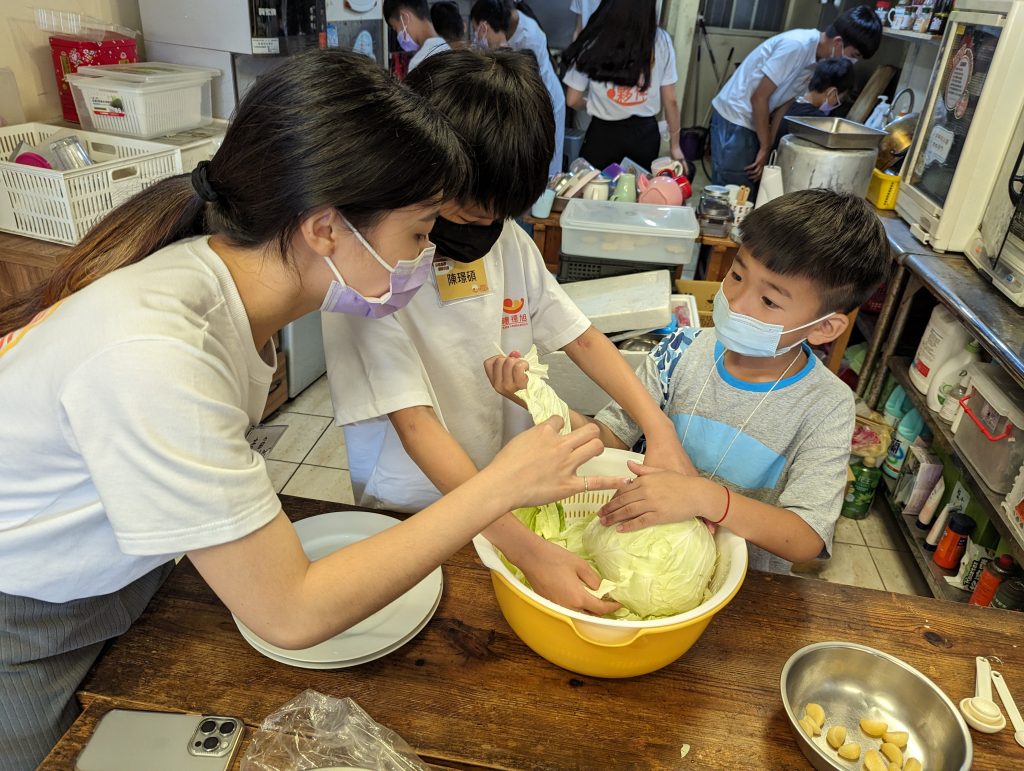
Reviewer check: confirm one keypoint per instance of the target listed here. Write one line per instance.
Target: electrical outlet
(959, 498)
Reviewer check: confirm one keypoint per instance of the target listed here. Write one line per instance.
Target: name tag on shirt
(263, 439)
(460, 281)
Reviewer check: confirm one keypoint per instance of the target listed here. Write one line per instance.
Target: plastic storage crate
(629, 232)
(61, 206)
(143, 100)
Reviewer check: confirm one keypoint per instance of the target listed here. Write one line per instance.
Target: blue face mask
(826, 107)
(405, 39)
(748, 336)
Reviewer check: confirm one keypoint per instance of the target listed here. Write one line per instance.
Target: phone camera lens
(208, 726)
(199, 744)
(227, 727)
(211, 743)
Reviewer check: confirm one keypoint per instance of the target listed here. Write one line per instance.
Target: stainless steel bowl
(852, 682)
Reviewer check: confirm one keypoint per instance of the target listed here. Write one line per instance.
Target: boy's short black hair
(418, 8)
(833, 239)
(447, 20)
(498, 105)
(859, 27)
(832, 73)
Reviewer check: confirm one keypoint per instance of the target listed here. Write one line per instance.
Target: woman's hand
(507, 375)
(654, 498)
(562, 577)
(539, 466)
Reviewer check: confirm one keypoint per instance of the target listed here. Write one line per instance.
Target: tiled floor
(310, 461)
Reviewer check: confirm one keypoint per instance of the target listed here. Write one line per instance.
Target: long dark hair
(617, 45)
(327, 128)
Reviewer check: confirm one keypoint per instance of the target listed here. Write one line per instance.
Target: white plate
(383, 632)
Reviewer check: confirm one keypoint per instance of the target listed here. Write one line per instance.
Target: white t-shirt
(608, 101)
(584, 9)
(788, 60)
(429, 354)
(530, 37)
(124, 414)
(431, 46)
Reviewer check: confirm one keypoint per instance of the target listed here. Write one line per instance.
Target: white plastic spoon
(980, 711)
(1011, 708)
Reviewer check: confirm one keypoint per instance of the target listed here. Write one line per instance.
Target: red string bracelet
(728, 503)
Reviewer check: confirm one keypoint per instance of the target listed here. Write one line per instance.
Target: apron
(46, 649)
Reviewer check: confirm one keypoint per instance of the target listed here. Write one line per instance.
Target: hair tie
(201, 182)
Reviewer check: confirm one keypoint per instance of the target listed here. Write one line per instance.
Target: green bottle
(861, 491)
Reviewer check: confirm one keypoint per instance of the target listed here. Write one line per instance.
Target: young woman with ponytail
(129, 380)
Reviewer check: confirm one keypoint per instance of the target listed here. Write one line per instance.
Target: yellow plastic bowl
(600, 647)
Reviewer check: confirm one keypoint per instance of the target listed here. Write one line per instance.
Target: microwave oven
(966, 128)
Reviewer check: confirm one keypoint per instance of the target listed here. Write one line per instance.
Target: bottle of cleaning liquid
(862, 490)
(947, 375)
(896, 406)
(878, 115)
(942, 338)
(906, 432)
(951, 407)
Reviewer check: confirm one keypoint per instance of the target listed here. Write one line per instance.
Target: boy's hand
(507, 375)
(653, 498)
(559, 575)
(668, 455)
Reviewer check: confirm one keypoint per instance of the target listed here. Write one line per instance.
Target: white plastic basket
(143, 100)
(62, 206)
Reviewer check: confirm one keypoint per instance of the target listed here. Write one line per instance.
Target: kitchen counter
(467, 693)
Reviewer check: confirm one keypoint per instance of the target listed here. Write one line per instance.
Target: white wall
(26, 50)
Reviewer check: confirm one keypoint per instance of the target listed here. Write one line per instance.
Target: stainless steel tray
(836, 133)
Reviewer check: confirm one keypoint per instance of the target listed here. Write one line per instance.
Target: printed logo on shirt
(10, 340)
(627, 96)
(514, 313)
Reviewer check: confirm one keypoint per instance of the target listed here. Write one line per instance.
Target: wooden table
(26, 262)
(547, 235)
(466, 693)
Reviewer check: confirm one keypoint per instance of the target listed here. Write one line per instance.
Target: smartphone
(129, 740)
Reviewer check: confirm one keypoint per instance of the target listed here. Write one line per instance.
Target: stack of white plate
(385, 631)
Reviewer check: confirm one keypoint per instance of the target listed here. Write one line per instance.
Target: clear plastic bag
(315, 731)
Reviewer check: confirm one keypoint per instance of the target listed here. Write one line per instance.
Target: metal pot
(900, 135)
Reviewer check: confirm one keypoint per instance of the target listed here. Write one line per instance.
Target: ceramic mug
(625, 188)
(596, 190)
(665, 163)
(899, 17)
(681, 181)
(661, 190)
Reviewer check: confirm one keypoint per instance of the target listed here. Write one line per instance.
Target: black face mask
(464, 243)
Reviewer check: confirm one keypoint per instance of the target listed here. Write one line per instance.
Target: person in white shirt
(131, 377)
(774, 73)
(583, 9)
(501, 23)
(412, 393)
(622, 68)
(410, 19)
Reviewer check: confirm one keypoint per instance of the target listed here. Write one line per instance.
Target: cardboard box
(705, 292)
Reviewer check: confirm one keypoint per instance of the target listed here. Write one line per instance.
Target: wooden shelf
(899, 366)
(913, 37)
(934, 576)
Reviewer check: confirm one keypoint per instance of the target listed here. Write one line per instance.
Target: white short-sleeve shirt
(431, 46)
(530, 37)
(433, 355)
(608, 101)
(124, 414)
(788, 60)
(584, 9)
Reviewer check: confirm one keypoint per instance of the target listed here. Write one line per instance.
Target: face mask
(405, 40)
(841, 55)
(480, 38)
(748, 336)
(826, 107)
(406, 277)
(464, 243)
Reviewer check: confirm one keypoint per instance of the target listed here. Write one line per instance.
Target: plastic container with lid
(953, 544)
(635, 232)
(1009, 595)
(991, 432)
(996, 571)
(907, 431)
(947, 375)
(636, 302)
(145, 100)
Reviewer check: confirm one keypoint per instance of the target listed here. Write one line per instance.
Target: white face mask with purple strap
(406, 277)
